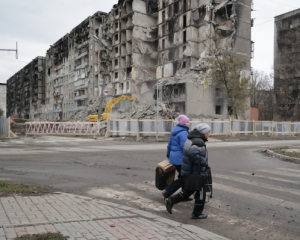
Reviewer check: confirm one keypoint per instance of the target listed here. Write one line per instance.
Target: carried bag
(208, 181)
(194, 182)
(164, 174)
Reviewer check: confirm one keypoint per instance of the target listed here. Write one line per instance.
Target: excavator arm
(112, 102)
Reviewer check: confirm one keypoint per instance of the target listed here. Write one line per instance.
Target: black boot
(197, 213)
(201, 216)
(169, 205)
(164, 193)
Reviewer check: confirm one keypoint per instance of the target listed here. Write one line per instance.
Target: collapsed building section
(186, 29)
(26, 91)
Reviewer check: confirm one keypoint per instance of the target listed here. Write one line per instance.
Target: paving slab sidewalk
(81, 218)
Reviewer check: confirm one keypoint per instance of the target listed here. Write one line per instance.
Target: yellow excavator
(107, 110)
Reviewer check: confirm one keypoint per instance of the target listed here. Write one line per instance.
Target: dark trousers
(200, 197)
(174, 186)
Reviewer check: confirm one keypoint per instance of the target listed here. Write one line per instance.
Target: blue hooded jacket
(176, 144)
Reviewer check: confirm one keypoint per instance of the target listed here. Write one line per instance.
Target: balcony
(85, 85)
(81, 97)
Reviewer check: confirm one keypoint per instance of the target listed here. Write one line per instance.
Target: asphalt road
(265, 205)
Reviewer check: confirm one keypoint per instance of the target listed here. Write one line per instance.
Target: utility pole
(12, 50)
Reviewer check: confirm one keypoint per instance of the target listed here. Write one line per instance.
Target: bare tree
(222, 67)
(262, 91)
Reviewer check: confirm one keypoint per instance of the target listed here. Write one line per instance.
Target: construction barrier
(140, 128)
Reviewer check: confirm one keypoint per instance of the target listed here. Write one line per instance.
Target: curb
(297, 160)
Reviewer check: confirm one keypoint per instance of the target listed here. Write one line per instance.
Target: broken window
(121, 86)
(116, 37)
(116, 75)
(176, 91)
(163, 44)
(184, 36)
(116, 62)
(117, 25)
(176, 7)
(218, 110)
(230, 111)
(127, 86)
(290, 24)
(164, 16)
(184, 5)
(218, 93)
(184, 21)
(97, 32)
(184, 64)
(163, 30)
(116, 50)
(163, 4)
(117, 12)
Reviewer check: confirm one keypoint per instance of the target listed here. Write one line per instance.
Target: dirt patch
(8, 189)
(45, 236)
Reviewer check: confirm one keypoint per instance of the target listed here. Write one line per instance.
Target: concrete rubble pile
(83, 115)
(148, 111)
(18, 128)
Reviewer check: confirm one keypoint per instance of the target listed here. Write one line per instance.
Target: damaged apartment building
(286, 67)
(72, 65)
(149, 41)
(26, 91)
(185, 29)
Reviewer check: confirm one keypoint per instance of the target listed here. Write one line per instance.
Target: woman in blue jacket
(174, 153)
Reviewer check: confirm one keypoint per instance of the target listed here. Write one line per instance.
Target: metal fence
(4, 126)
(139, 128)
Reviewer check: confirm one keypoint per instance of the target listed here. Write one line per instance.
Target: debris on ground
(83, 115)
(200, 116)
(18, 128)
(148, 111)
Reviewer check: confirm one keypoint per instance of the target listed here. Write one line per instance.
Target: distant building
(286, 66)
(26, 91)
(3, 98)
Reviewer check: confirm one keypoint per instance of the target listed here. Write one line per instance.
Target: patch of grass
(18, 188)
(283, 151)
(45, 236)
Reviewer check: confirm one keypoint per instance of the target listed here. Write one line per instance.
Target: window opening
(184, 36)
(184, 21)
(218, 110)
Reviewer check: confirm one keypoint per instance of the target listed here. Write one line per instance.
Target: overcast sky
(37, 24)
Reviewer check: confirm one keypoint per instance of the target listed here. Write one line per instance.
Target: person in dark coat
(194, 153)
(174, 154)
